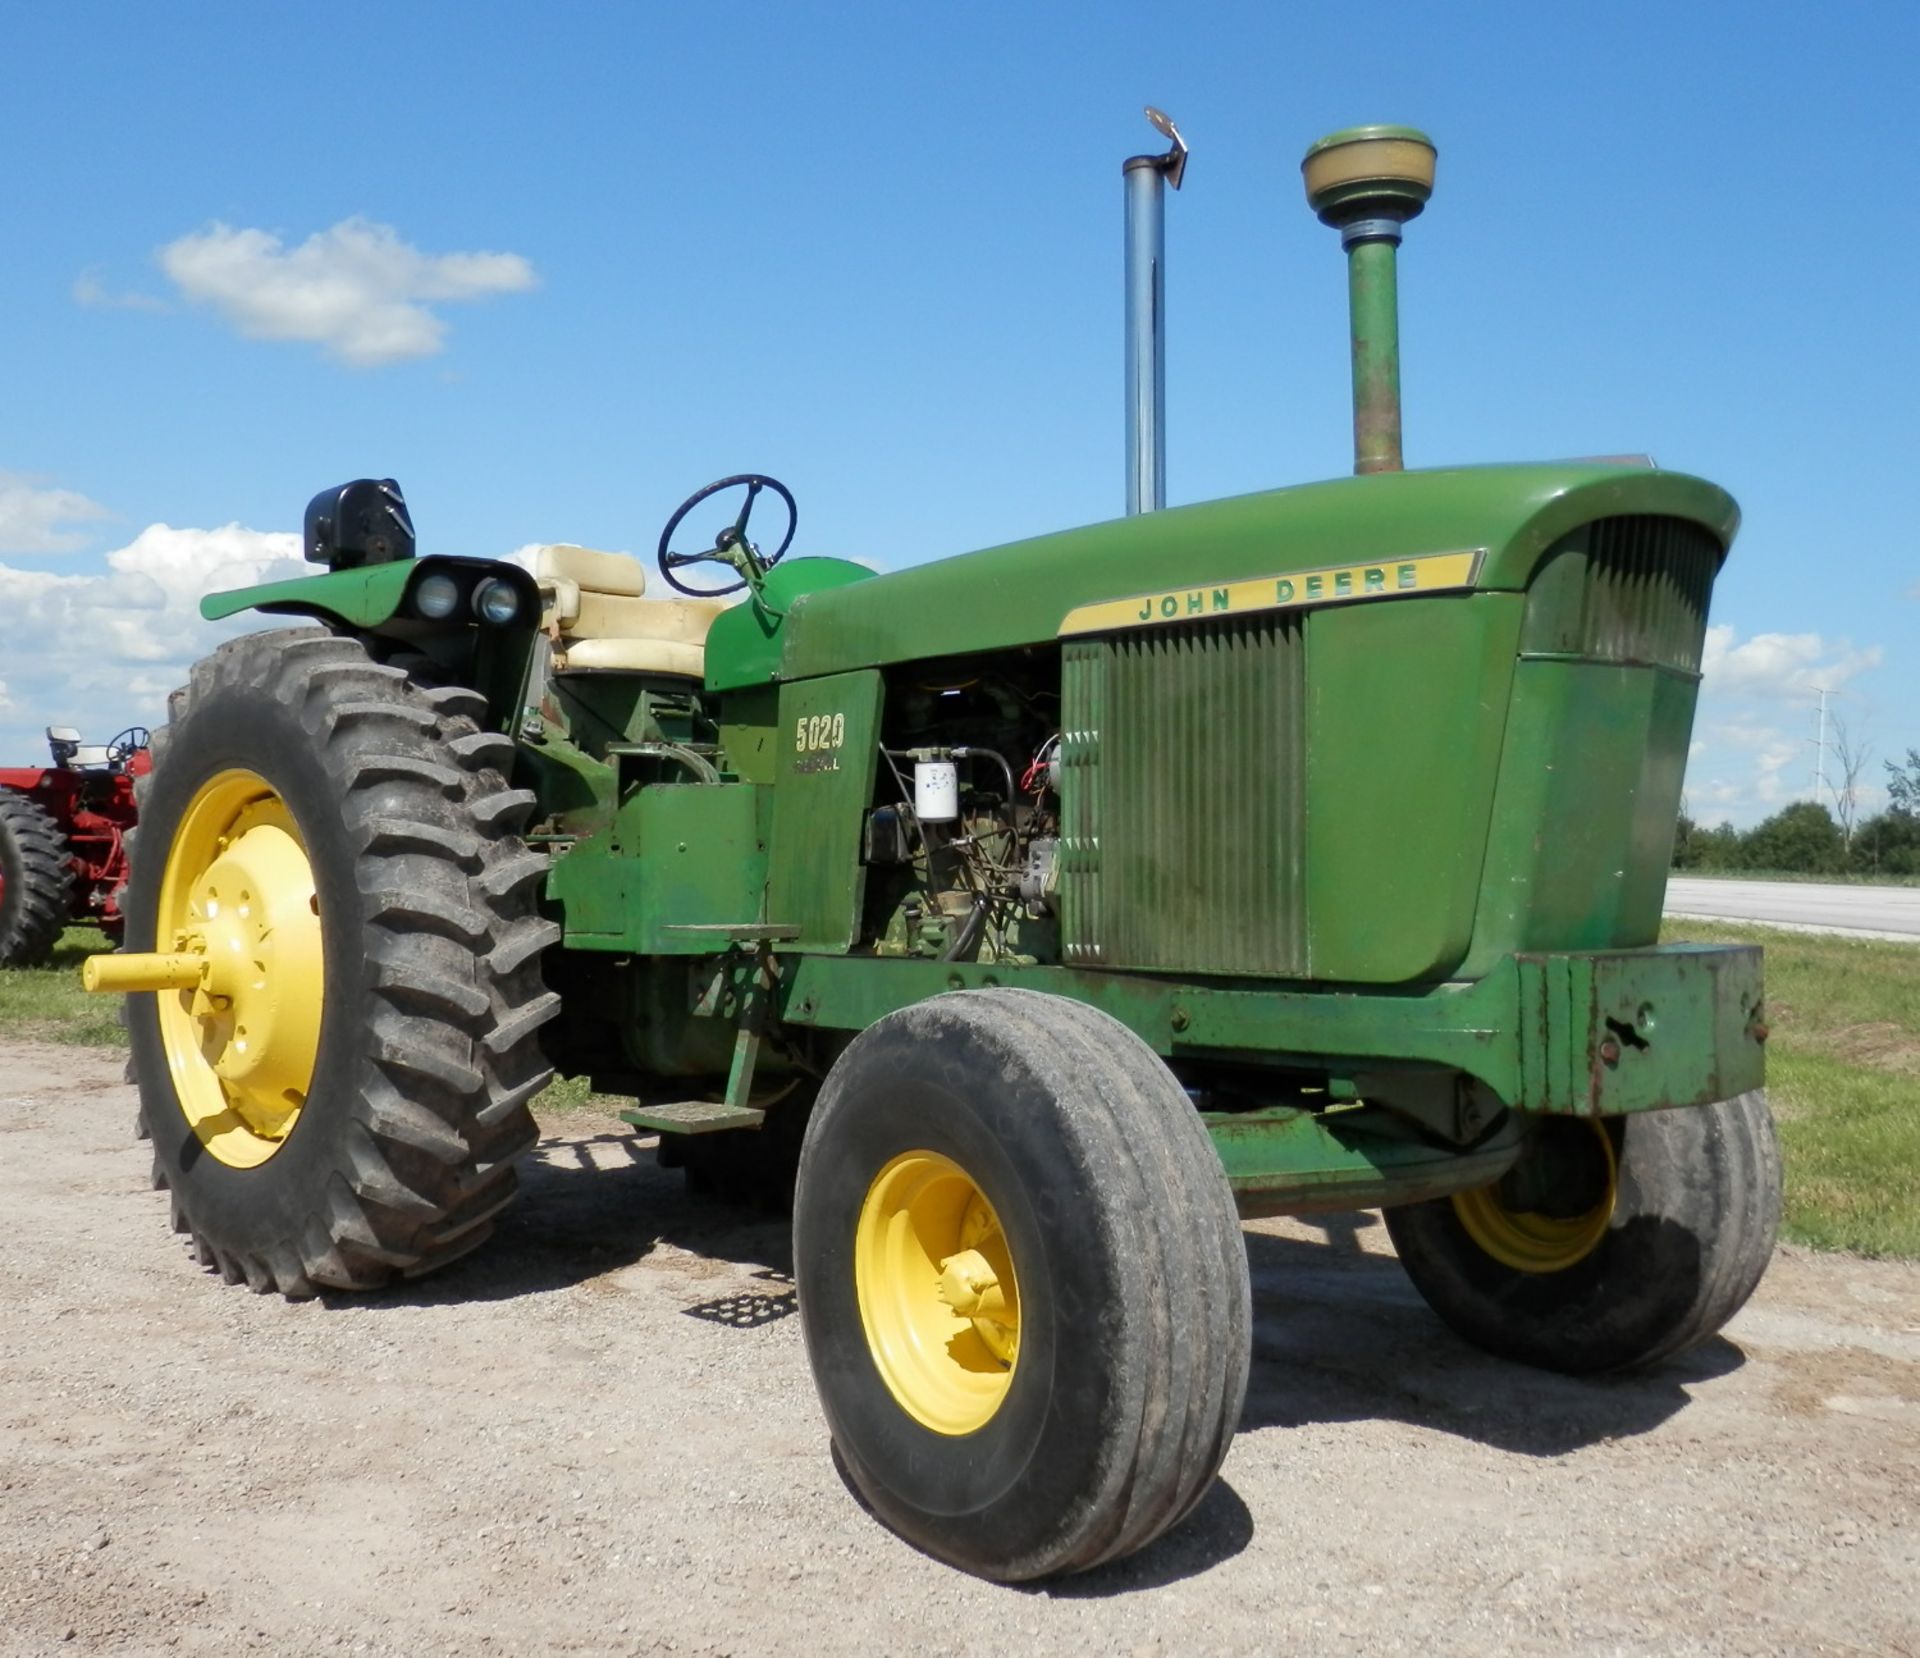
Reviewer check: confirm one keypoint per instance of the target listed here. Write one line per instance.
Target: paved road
(1879, 912)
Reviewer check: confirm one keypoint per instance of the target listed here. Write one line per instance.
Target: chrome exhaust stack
(1146, 177)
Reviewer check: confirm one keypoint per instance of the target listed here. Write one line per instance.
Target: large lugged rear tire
(298, 775)
(1022, 1281)
(1688, 1230)
(36, 882)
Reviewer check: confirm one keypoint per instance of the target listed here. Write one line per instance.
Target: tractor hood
(1347, 539)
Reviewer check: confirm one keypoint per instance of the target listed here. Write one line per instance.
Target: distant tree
(1887, 844)
(1719, 847)
(1697, 847)
(1686, 853)
(1903, 785)
(1801, 839)
(1850, 758)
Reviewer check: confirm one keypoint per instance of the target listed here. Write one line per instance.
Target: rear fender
(378, 603)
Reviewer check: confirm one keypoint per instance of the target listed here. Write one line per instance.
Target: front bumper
(1588, 1033)
(1634, 1030)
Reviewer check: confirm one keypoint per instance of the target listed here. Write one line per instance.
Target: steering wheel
(731, 546)
(127, 744)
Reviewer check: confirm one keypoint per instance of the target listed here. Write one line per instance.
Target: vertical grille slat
(1632, 589)
(1184, 805)
(1643, 593)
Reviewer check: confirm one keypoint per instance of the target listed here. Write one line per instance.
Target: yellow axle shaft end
(178, 970)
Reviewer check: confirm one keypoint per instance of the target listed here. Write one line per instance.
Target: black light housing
(364, 522)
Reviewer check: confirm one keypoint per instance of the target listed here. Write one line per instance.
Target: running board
(693, 1117)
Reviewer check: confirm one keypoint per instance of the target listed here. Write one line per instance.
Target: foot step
(693, 1117)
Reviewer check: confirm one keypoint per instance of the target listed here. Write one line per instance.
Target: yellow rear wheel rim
(939, 1299)
(237, 892)
(1529, 1241)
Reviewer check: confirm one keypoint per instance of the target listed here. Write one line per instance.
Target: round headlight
(437, 597)
(496, 601)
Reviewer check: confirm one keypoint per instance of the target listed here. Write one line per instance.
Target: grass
(1843, 1067)
(46, 1004)
(1843, 1074)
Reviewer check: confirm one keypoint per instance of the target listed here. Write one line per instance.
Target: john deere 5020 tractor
(1037, 914)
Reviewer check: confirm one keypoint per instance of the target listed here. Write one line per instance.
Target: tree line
(1806, 838)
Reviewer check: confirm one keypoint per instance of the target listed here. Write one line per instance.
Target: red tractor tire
(36, 882)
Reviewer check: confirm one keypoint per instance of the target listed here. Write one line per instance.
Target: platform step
(693, 1117)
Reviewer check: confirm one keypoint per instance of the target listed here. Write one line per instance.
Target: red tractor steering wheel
(129, 743)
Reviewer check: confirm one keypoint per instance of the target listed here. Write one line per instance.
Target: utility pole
(1820, 763)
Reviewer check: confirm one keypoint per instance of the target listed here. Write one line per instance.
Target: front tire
(1670, 1248)
(36, 882)
(1022, 1282)
(342, 1103)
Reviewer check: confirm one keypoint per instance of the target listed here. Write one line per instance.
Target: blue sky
(874, 250)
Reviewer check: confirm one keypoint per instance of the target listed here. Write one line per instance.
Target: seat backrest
(596, 614)
(593, 572)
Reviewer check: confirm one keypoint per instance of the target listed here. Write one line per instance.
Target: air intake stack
(1367, 182)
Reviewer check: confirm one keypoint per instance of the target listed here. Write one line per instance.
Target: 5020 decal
(817, 739)
(819, 733)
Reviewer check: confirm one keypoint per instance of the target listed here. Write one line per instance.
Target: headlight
(496, 601)
(437, 597)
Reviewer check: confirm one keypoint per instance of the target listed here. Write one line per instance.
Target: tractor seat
(594, 609)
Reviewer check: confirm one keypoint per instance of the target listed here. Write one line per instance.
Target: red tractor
(63, 834)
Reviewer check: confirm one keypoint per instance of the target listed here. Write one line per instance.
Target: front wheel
(1610, 1243)
(1022, 1282)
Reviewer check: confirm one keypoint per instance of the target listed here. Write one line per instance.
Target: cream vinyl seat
(594, 610)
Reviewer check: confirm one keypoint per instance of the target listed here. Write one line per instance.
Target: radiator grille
(1630, 589)
(1183, 794)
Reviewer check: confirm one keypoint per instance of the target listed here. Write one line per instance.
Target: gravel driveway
(598, 1435)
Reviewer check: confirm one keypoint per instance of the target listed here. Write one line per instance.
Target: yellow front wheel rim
(237, 897)
(1529, 1241)
(938, 1295)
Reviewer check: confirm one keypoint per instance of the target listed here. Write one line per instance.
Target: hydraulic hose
(969, 933)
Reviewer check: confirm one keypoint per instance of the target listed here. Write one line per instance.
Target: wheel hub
(258, 941)
(938, 1295)
(1552, 1211)
(240, 993)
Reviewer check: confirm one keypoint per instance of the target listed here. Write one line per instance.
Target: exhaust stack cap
(1367, 175)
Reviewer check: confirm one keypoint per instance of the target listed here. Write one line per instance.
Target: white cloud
(356, 289)
(1780, 664)
(33, 517)
(89, 290)
(102, 651)
(1757, 735)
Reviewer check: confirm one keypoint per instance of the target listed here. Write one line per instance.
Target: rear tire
(1695, 1216)
(1131, 1303)
(427, 1053)
(36, 882)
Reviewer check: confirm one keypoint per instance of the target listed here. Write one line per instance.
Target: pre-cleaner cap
(1369, 173)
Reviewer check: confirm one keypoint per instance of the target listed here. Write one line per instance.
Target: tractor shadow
(592, 1204)
(1341, 1335)
(1217, 1530)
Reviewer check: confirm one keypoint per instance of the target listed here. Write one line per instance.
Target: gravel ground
(598, 1436)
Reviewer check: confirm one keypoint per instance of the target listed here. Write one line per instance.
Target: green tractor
(1028, 918)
